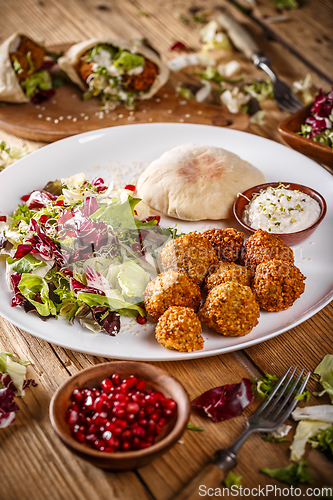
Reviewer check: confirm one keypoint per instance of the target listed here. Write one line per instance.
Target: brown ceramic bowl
(156, 379)
(288, 129)
(288, 238)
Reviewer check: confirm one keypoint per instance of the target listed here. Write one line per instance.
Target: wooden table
(34, 464)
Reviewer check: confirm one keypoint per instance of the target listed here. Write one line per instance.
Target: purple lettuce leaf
(90, 206)
(96, 280)
(7, 403)
(18, 297)
(6, 419)
(322, 106)
(109, 321)
(227, 401)
(40, 199)
(77, 286)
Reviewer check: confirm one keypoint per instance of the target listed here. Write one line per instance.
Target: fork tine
(294, 102)
(276, 388)
(288, 396)
(282, 392)
(294, 402)
(283, 104)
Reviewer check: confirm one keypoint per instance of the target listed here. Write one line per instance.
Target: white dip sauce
(281, 210)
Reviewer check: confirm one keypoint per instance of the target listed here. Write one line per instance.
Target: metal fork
(243, 41)
(270, 415)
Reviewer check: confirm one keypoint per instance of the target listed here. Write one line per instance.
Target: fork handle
(239, 36)
(211, 476)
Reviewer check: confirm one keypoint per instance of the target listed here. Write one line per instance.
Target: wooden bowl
(288, 238)
(288, 129)
(156, 379)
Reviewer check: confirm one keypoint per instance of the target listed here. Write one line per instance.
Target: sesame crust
(170, 288)
(179, 329)
(277, 284)
(190, 253)
(230, 309)
(227, 242)
(228, 271)
(263, 246)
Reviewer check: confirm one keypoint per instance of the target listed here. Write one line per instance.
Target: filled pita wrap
(196, 182)
(116, 70)
(21, 69)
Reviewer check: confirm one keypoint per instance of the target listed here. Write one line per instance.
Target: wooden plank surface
(35, 464)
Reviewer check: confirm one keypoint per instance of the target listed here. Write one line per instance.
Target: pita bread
(10, 88)
(69, 61)
(196, 182)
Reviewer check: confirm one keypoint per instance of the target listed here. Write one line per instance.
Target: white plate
(122, 153)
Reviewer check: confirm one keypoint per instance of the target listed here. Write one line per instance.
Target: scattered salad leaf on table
(9, 154)
(13, 383)
(293, 474)
(233, 479)
(192, 427)
(227, 401)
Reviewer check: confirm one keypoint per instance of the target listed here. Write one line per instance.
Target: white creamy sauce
(103, 58)
(281, 210)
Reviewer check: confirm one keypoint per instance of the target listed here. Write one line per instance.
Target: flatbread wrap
(196, 182)
(22, 74)
(118, 71)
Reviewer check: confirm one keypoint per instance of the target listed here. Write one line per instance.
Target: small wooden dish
(288, 129)
(288, 238)
(156, 379)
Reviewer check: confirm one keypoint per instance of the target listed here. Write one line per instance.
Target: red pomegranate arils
(130, 187)
(121, 415)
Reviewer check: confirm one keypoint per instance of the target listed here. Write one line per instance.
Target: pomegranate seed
(141, 320)
(77, 396)
(107, 385)
(136, 443)
(141, 414)
(99, 443)
(162, 421)
(80, 436)
(117, 431)
(72, 417)
(115, 379)
(3, 218)
(170, 404)
(92, 429)
(132, 407)
(144, 444)
(150, 409)
(139, 431)
(126, 434)
(130, 187)
(118, 412)
(25, 197)
(167, 413)
(121, 397)
(125, 445)
(120, 423)
(130, 417)
(143, 421)
(96, 393)
(107, 435)
(155, 416)
(99, 404)
(43, 219)
(113, 442)
(89, 402)
(90, 438)
(141, 385)
(60, 203)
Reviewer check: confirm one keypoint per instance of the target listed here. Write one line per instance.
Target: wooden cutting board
(67, 114)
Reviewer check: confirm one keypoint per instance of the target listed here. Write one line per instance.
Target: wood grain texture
(35, 464)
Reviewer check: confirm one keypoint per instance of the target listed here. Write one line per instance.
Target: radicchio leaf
(18, 297)
(44, 245)
(226, 401)
(90, 206)
(323, 104)
(3, 240)
(39, 199)
(77, 286)
(96, 280)
(7, 403)
(109, 321)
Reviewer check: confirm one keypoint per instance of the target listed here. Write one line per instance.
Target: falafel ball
(190, 253)
(170, 288)
(228, 271)
(227, 243)
(29, 55)
(263, 246)
(179, 328)
(230, 309)
(277, 284)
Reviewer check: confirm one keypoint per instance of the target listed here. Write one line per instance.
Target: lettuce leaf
(31, 286)
(305, 430)
(26, 264)
(112, 299)
(133, 279)
(127, 61)
(293, 474)
(40, 80)
(325, 370)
